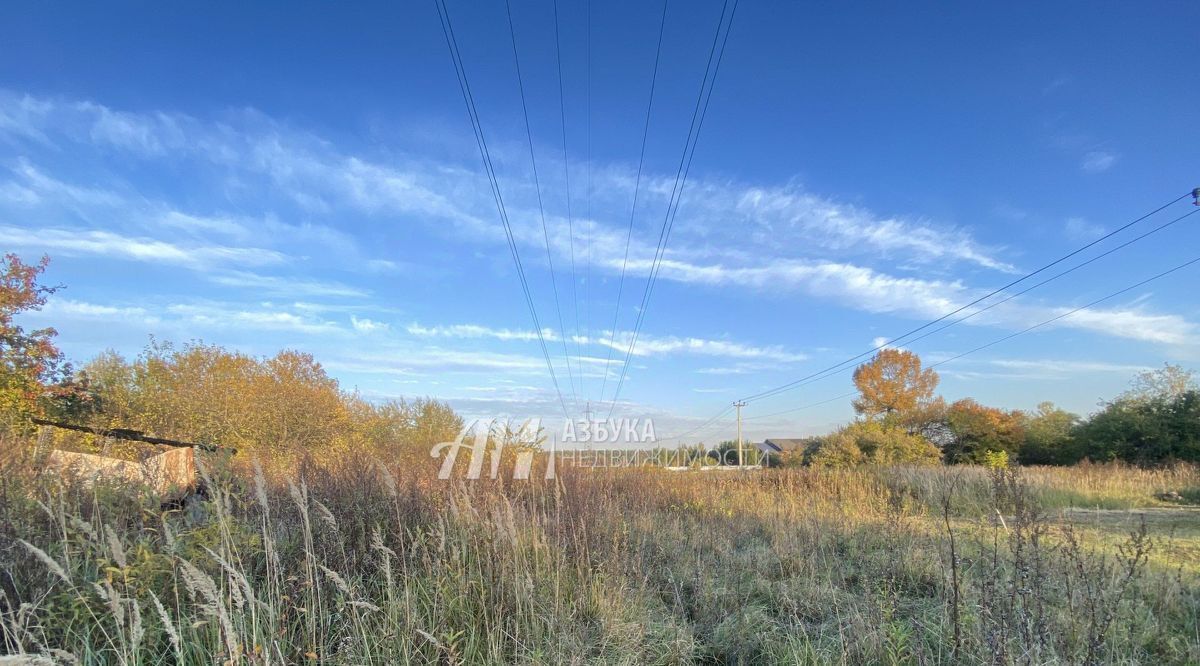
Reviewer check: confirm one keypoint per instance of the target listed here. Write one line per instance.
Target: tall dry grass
(356, 561)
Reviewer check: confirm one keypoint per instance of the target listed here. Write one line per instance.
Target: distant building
(778, 445)
(774, 450)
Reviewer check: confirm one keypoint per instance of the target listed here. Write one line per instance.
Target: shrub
(886, 445)
(977, 429)
(837, 450)
(1144, 430)
(281, 405)
(875, 443)
(995, 459)
(1048, 436)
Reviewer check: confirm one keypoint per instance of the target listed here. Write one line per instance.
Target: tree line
(902, 420)
(281, 405)
(287, 403)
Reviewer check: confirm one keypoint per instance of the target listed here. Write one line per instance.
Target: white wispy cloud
(196, 316)
(780, 210)
(18, 195)
(209, 224)
(1136, 324)
(110, 244)
(1038, 369)
(131, 131)
(40, 187)
(860, 286)
(405, 359)
(58, 307)
(364, 325)
(728, 233)
(477, 331)
(23, 116)
(1062, 366)
(318, 177)
(284, 286)
(883, 342)
(1098, 161)
(1078, 228)
(869, 290)
(727, 370)
(647, 345)
(232, 317)
(650, 345)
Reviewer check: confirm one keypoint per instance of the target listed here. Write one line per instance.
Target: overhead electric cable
(1023, 331)
(785, 387)
(637, 184)
(1071, 312)
(562, 116)
(541, 208)
(845, 365)
(489, 169)
(801, 407)
(588, 271)
(837, 368)
(700, 427)
(681, 174)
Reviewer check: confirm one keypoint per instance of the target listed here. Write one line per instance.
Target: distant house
(783, 445)
(775, 449)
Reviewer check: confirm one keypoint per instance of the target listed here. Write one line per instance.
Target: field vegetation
(353, 560)
(911, 536)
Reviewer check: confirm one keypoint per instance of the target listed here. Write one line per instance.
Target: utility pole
(739, 405)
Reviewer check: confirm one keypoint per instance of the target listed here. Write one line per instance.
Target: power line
(637, 185)
(836, 369)
(1071, 312)
(845, 365)
(700, 427)
(562, 116)
(681, 174)
(489, 169)
(541, 208)
(1023, 331)
(788, 386)
(802, 407)
(588, 270)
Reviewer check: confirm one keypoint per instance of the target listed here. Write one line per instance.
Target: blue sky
(291, 175)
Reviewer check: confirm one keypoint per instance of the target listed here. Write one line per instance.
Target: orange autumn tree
(892, 384)
(978, 430)
(29, 361)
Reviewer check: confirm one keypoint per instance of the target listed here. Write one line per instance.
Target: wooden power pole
(739, 405)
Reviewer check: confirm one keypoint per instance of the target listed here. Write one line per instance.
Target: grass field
(354, 561)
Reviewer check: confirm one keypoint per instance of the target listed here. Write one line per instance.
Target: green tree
(1048, 436)
(111, 379)
(1144, 431)
(1156, 420)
